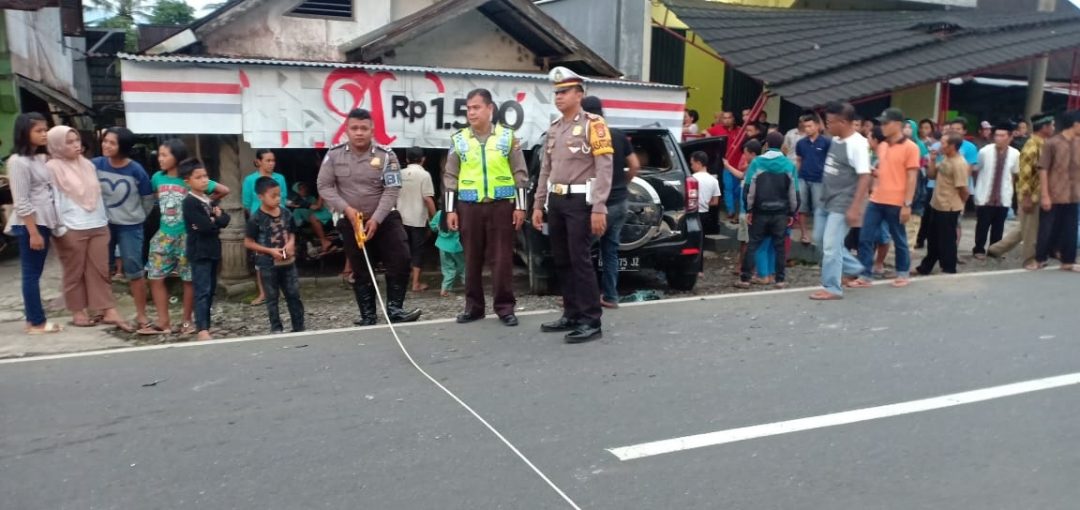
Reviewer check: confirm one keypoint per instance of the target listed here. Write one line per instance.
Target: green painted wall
(917, 102)
(9, 91)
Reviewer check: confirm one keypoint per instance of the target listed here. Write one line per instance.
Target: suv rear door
(716, 148)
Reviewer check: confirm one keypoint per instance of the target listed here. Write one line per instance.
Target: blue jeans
(32, 263)
(870, 236)
(130, 240)
(830, 229)
(732, 193)
(204, 280)
(609, 252)
(765, 260)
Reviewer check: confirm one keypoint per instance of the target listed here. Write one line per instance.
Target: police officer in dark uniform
(361, 176)
(575, 180)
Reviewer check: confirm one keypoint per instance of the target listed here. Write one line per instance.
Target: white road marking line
(679, 444)
(311, 335)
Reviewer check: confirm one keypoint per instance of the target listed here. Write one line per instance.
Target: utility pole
(1037, 73)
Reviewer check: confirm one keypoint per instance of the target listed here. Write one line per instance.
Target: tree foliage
(172, 12)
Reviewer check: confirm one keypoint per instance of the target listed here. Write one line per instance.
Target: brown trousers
(84, 255)
(487, 235)
(1027, 233)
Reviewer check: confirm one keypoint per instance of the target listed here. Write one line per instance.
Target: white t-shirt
(415, 185)
(708, 188)
(74, 217)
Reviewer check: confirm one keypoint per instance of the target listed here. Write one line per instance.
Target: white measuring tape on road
(408, 356)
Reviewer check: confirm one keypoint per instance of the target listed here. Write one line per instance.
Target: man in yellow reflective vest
(485, 180)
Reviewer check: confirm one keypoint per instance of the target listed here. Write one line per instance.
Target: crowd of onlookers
(849, 185)
(855, 183)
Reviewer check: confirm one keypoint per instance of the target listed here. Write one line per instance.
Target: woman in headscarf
(84, 247)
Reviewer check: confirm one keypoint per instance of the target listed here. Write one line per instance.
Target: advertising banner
(294, 106)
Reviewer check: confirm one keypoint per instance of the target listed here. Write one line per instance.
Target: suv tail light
(691, 195)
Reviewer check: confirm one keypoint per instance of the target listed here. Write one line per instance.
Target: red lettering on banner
(437, 81)
(358, 84)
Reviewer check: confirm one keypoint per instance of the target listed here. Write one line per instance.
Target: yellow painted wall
(703, 75)
(917, 102)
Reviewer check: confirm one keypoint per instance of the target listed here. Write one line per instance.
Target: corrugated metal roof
(814, 56)
(204, 60)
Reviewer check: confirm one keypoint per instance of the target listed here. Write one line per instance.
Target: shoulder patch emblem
(600, 138)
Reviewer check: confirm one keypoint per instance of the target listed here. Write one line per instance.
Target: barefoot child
(451, 254)
(271, 238)
(203, 221)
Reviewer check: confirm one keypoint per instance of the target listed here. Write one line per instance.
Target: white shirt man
(998, 164)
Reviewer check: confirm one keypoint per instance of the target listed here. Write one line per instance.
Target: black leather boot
(395, 300)
(365, 300)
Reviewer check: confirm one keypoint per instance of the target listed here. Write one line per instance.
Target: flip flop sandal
(121, 325)
(152, 329)
(1035, 266)
(89, 323)
(45, 329)
(822, 295)
(187, 329)
(900, 283)
(257, 302)
(858, 284)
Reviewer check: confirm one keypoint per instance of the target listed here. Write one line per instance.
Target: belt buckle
(561, 189)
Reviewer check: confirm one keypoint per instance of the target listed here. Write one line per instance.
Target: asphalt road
(341, 421)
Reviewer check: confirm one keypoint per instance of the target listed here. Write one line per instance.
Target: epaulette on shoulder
(338, 146)
(593, 116)
(384, 148)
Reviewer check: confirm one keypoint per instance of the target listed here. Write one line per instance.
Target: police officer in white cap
(575, 179)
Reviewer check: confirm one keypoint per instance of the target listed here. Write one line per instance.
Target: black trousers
(390, 246)
(924, 225)
(570, 232)
(283, 280)
(204, 282)
(766, 227)
(941, 241)
(1057, 231)
(487, 235)
(990, 219)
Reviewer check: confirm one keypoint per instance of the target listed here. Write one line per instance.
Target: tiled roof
(814, 56)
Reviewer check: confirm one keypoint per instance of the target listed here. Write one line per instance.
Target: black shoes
(509, 320)
(583, 333)
(578, 333)
(365, 299)
(563, 324)
(464, 318)
(395, 301)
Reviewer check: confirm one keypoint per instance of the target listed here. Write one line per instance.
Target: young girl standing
(34, 216)
(168, 246)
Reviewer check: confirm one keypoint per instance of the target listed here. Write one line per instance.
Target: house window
(339, 9)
